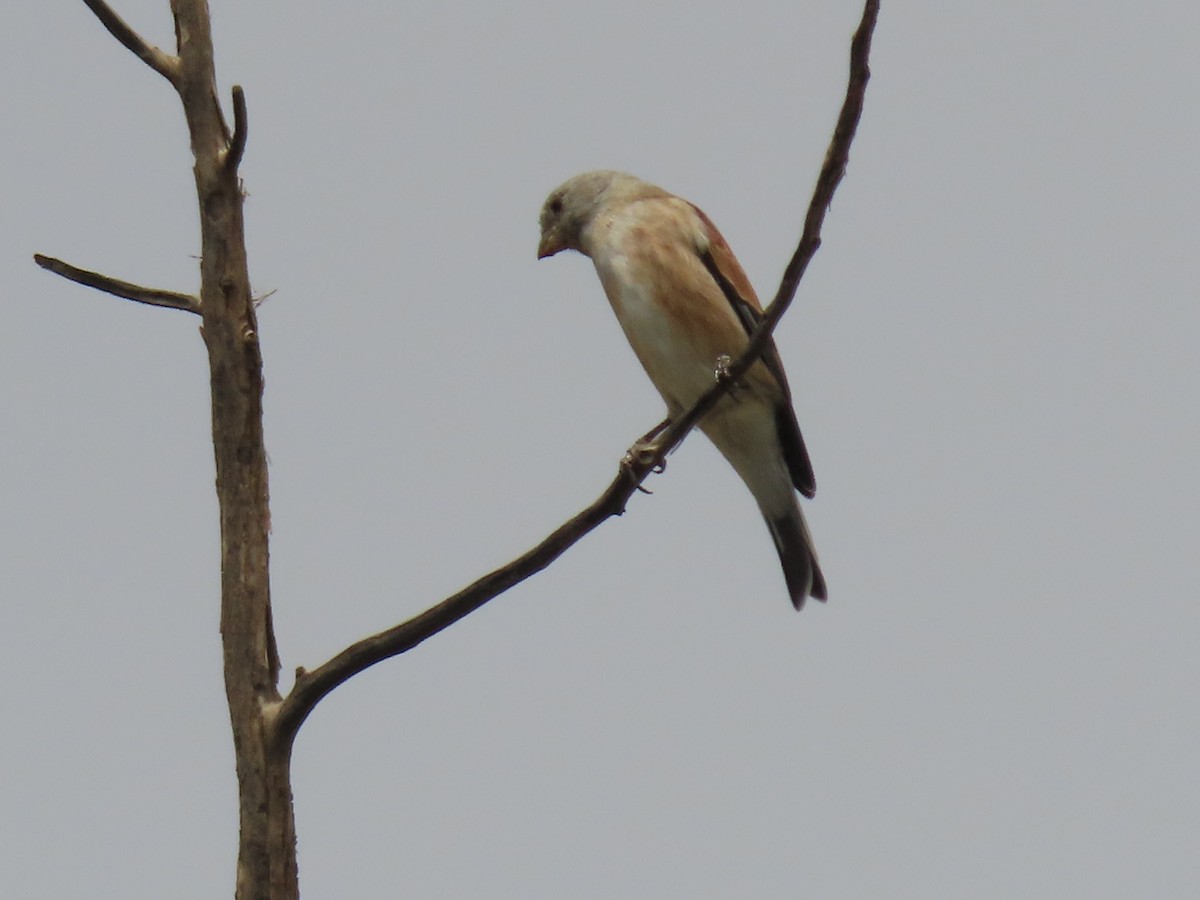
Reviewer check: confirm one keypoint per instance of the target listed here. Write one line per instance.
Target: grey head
(572, 206)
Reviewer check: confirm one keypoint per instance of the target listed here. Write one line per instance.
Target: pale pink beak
(549, 245)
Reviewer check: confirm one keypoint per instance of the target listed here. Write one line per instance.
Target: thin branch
(836, 159)
(834, 167)
(311, 687)
(237, 144)
(164, 64)
(118, 288)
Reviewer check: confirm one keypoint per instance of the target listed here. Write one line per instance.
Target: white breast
(678, 368)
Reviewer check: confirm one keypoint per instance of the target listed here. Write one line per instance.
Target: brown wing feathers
(721, 264)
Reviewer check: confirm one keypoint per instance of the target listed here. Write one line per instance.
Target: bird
(687, 308)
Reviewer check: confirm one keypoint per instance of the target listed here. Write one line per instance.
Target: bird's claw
(642, 454)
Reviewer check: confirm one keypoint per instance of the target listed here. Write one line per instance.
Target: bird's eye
(555, 206)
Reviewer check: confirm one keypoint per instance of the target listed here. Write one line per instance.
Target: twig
(831, 174)
(237, 144)
(164, 64)
(312, 686)
(834, 167)
(118, 288)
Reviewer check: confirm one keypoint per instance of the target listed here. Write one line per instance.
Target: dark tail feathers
(801, 570)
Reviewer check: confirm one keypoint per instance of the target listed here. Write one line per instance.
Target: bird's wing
(723, 266)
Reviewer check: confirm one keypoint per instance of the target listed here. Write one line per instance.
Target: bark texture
(267, 846)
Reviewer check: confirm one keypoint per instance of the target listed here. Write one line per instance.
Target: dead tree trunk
(267, 848)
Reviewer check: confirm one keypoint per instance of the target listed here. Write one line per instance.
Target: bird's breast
(674, 332)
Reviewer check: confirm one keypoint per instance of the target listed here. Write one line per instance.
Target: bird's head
(573, 205)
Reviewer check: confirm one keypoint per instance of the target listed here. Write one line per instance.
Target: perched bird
(687, 307)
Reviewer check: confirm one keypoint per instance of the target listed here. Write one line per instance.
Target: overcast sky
(995, 363)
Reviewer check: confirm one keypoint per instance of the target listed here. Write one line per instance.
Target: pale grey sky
(994, 357)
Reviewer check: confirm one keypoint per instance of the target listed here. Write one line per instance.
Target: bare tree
(264, 722)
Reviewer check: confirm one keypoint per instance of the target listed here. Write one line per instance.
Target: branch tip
(124, 289)
(237, 144)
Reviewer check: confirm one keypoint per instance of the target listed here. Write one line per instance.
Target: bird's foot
(642, 455)
(639, 460)
(721, 373)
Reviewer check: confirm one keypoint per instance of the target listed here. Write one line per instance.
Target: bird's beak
(550, 244)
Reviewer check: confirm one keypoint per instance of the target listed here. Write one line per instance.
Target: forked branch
(312, 686)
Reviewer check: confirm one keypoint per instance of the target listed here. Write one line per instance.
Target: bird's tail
(801, 570)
